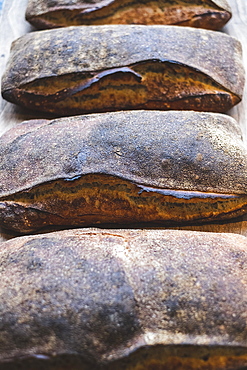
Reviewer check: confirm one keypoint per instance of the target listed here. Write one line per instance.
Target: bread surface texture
(207, 14)
(108, 168)
(77, 70)
(124, 299)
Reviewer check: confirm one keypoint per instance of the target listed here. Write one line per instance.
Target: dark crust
(85, 293)
(214, 20)
(103, 200)
(64, 100)
(77, 50)
(212, 159)
(36, 9)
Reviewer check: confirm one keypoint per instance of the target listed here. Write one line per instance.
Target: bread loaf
(122, 168)
(124, 300)
(210, 14)
(78, 70)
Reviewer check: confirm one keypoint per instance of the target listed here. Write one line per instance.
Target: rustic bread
(78, 70)
(124, 300)
(122, 167)
(210, 14)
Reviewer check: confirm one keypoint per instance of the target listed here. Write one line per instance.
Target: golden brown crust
(124, 299)
(209, 14)
(107, 168)
(147, 85)
(101, 199)
(151, 68)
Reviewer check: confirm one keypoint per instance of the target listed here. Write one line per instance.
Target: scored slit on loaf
(124, 299)
(209, 14)
(122, 168)
(78, 70)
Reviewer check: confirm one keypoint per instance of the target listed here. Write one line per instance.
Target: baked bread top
(143, 297)
(145, 147)
(63, 51)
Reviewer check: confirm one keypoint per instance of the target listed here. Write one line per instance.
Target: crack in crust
(101, 199)
(199, 13)
(147, 85)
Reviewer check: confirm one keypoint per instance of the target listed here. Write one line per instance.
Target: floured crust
(207, 14)
(124, 299)
(68, 71)
(107, 168)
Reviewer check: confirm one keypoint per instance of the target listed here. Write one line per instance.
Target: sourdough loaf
(77, 70)
(124, 300)
(210, 14)
(122, 168)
